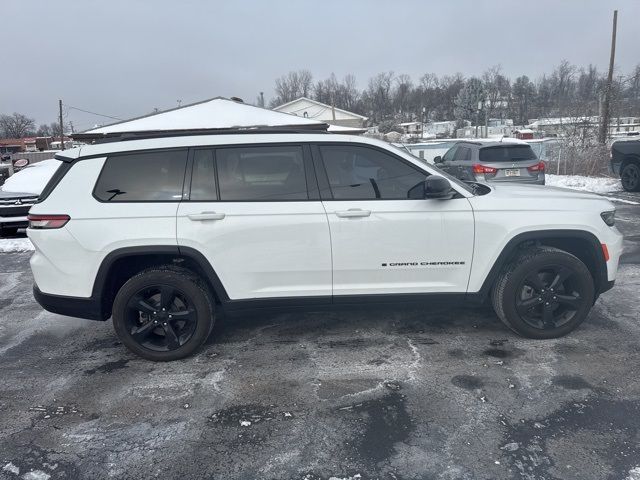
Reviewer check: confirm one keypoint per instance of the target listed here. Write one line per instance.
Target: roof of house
(324, 106)
(215, 114)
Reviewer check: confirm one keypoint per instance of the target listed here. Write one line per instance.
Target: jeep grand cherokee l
(163, 234)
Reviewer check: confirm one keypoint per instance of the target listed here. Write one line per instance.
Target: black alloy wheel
(164, 313)
(161, 318)
(549, 298)
(544, 292)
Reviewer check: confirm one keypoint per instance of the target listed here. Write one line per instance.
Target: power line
(92, 113)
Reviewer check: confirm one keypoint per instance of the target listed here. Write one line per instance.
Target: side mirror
(437, 159)
(433, 187)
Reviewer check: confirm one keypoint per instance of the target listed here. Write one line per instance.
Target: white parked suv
(164, 233)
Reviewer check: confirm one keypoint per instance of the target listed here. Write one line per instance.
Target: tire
(8, 232)
(163, 313)
(630, 177)
(543, 293)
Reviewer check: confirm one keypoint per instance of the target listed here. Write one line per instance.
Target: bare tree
(16, 126)
(291, 86)
(497, 89)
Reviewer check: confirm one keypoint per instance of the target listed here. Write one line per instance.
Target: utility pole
(61, 125)
(605, 113)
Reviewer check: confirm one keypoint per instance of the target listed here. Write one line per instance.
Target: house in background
(314, 110)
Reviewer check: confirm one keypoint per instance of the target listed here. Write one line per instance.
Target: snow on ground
(599, 185)
(10, 245)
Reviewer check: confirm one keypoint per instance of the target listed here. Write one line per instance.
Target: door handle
(353, 213)
(206, 216)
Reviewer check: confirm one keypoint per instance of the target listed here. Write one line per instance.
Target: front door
(251, 214)
(382, 242)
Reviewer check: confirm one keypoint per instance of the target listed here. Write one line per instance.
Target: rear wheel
(544, 293)
(163, 314)
(630, 177)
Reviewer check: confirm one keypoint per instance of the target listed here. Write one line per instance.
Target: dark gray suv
(492, 162)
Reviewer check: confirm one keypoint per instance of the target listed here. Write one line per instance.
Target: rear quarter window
(142, 177)
(510, 153)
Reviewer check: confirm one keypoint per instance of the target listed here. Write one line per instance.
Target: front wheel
(163, 313)
(544, 293)
(630, 177)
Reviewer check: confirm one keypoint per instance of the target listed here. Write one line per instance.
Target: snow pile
(31, 179)
(599, 185)
(11, 245)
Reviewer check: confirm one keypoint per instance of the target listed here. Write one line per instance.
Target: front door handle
(206, 216)
(353, 213)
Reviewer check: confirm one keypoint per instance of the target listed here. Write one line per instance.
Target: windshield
(403, 150)
(510, 153)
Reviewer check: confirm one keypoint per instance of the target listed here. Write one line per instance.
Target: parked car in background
(489, 162)
(625, 161)
(20, 191)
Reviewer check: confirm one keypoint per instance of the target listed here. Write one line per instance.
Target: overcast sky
(125, 57)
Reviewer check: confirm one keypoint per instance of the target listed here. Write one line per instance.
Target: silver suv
(493, 162)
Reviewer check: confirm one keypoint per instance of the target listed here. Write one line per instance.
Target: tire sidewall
(521, 271)
(632, 188)
(197, 297)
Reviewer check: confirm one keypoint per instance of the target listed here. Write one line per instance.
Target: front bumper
(87, 308)
(14, 222)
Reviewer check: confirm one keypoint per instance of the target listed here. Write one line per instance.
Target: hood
(528, 191)
(539, 198)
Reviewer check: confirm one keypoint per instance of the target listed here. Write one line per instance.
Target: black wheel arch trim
(178, 251)
(600, 276)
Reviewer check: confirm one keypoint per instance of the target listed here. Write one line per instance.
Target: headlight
(609, 217)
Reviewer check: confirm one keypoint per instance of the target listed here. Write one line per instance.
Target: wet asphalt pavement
(387, 393)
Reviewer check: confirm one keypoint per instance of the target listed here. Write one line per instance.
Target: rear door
(382, 242)
(255, 213)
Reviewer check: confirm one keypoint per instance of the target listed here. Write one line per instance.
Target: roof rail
(124, 136)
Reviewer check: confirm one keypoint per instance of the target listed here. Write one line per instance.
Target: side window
(448, 156)
(142, 177)
(462, 153)
(261, 173)
(203, 177)
(361, 173)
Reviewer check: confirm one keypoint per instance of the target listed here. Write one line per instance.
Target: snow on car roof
(217, 113)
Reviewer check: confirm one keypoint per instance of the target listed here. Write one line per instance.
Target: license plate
(512, 172)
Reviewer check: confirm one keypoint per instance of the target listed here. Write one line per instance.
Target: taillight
(537, 168)
(605, 252)
(47, 221)
(477, 168)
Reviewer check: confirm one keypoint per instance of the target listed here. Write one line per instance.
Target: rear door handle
(206, 216)
(353, 213)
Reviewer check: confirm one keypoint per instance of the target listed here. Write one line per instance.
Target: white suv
(161, 234)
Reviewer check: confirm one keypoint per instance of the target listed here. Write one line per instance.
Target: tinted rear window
(261, 173)
(142, 177)
(511, 153)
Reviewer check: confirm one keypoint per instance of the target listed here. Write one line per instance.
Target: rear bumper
(524, 180)
(87, 308)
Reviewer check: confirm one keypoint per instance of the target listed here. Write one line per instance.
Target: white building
(314, 110)
(443, 129)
